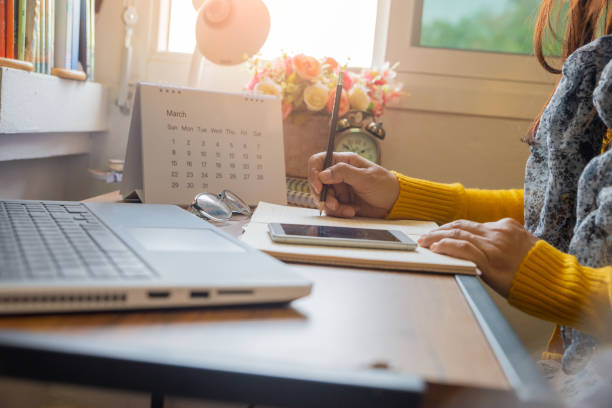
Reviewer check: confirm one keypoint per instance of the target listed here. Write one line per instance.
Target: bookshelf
(39, 103)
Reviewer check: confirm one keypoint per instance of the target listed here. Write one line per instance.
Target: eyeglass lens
(234, 202)
(220, 207)
(210, 206)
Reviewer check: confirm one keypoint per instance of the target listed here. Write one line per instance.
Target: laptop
(64, 256)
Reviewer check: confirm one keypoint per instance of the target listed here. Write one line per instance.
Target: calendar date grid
(201, 156)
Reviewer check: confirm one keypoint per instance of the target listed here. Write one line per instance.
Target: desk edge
(270, 384)
(516, 363)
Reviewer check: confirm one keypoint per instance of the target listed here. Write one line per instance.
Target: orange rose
(344, 102)
(332, 64)
(348, 81)
(377, 108)
(306, 67)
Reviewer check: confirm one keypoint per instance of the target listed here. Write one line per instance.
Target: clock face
(357, 141)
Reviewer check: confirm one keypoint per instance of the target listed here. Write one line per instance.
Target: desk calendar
(186, 141)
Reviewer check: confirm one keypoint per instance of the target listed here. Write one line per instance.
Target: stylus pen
(332, 135)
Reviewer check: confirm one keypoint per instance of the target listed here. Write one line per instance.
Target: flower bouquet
(307, 88)
(307, 85)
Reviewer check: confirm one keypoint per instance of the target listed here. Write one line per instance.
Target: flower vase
(303, 136)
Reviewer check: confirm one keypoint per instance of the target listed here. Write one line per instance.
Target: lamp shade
(227, 31)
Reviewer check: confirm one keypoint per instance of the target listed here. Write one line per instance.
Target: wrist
(394, 190)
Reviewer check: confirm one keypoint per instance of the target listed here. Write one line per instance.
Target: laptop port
(159, 294)
(199, 294)
(235, 292)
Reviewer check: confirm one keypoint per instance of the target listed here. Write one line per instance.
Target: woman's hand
(497, 248)
(356, 185)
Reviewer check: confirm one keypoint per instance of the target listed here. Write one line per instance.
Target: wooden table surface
(354, 319)
(412, 323)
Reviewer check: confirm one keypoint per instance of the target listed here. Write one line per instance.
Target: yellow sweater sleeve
(552, 285)
(442, 203)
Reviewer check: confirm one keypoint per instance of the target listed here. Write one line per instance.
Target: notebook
(256, 235)
(298, 193)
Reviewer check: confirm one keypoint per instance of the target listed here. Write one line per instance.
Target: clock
(358, 132)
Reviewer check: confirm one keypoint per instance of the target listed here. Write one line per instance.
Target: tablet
(340, 236)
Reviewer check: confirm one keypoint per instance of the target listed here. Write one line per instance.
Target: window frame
(498, 85)
(452, 62)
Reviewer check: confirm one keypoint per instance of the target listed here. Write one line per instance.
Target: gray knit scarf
(568, 183)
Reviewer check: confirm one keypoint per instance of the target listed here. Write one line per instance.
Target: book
(68, 38)
(84, 35)
(50, 58)
(422, 260)
(3, 28)
(42, 32)
(21, 29)
(298, 193)
(10, 28)
(30, 30)
(15, 26)
(36, 37)
(76, 18)
(63, 37)
(91, 44)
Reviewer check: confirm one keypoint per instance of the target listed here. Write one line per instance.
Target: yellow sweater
(549, 284)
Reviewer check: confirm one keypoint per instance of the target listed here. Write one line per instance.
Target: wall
(481, 152)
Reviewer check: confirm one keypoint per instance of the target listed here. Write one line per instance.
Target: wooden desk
(443, 329)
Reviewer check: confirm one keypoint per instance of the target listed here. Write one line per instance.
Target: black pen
(332, 135)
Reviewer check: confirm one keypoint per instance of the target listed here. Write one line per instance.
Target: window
(455, 55)
(480, 25)
(453, 76)
(342, 29)
(458, 51)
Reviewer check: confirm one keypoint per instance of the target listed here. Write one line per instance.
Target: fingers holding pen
(314, 182)
(315, 165)
(341, 173)
(337, 208)
(346, 168)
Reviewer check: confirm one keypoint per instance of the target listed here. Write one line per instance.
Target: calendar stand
(185, 141)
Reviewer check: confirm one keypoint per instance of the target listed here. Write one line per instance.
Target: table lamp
(227, 32)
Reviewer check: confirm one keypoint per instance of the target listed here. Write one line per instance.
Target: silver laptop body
(58, 256)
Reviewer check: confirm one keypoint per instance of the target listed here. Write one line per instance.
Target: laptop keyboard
(52, 240)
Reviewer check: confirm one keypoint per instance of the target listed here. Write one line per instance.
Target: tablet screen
(323, 231)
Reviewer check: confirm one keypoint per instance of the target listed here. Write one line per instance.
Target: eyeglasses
(219, 207)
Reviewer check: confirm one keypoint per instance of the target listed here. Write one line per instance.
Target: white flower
(315, 97)
(269, 87)
(358, 97)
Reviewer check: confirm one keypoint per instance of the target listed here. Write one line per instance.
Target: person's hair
(586, 20)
